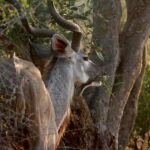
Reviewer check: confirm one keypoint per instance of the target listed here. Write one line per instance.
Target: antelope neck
(60, 85)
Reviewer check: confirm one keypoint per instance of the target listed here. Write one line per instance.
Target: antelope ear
(59, 44)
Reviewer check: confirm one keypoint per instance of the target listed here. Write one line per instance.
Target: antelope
(70, 66)
(26, 106)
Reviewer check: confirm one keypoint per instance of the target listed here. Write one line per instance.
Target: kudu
(69, 66)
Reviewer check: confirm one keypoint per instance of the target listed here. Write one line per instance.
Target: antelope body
(28, 107)
(52, 105)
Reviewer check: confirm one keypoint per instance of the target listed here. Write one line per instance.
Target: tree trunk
(106, 15)
(106, 18)
(134, 38)
(130, 111)
(124, 64)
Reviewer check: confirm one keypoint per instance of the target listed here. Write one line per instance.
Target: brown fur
(32, 123)
(63, 128)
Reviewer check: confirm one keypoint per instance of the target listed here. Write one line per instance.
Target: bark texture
(130, 110)
(127, 59)
(132, 44)
(106, 15)
(106, 18)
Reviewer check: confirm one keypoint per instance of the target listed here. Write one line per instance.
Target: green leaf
(100, 56)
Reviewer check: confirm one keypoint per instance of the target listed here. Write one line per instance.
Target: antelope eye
(85, 58)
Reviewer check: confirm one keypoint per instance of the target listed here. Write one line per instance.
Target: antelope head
(78, 62)
(61, 47)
